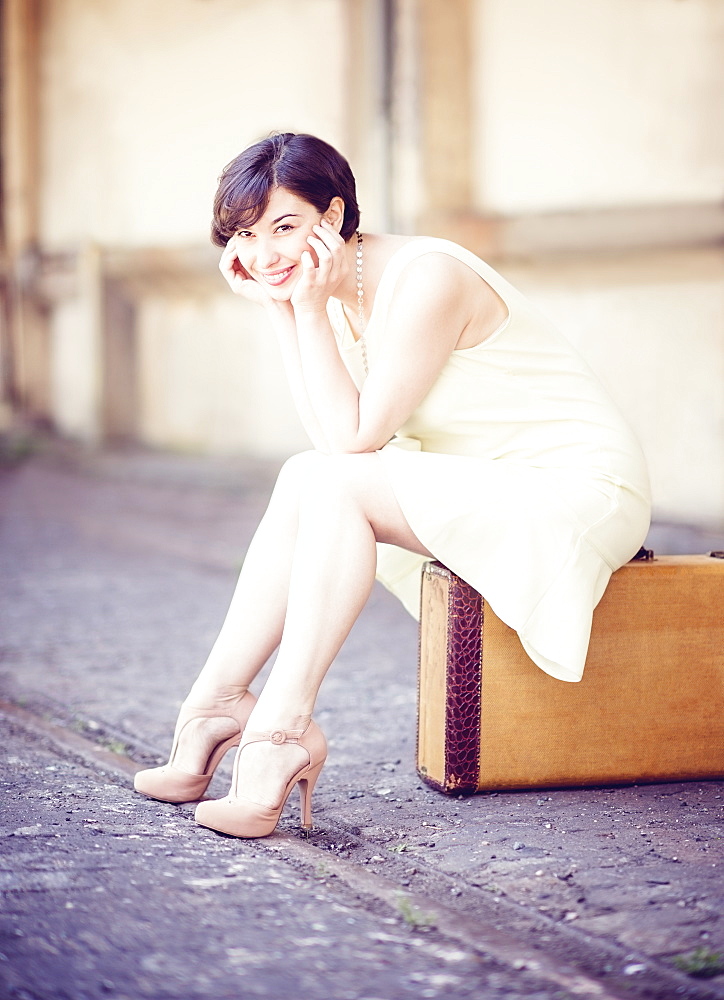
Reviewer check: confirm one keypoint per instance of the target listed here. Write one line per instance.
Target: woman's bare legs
(345, 505)
(253, 625)
(306, 577)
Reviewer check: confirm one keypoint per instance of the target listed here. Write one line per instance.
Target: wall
(596, 104)
(652, 327)
(155, 98)
(142, 105)
(211, 379)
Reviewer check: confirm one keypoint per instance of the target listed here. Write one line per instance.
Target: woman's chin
(282, 294)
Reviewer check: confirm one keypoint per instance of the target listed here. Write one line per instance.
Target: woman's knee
(325, 478)
(315, 477)
(313, 472)
(335, 484)
(296, 471)
(340, 480)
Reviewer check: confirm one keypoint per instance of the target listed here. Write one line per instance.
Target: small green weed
(701, 962)
(413, 915)
(322, 871)
(89, 728)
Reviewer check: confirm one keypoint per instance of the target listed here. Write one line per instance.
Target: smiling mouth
(278, 277)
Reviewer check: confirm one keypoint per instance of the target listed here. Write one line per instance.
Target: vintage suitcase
(650, 706)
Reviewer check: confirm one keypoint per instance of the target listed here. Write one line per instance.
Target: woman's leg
(346, 505)
(253, 625)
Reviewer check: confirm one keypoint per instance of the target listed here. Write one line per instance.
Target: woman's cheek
(245, 266)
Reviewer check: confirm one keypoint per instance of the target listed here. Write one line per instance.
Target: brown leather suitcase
(650, 706)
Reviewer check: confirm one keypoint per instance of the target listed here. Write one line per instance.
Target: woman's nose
(266, 255)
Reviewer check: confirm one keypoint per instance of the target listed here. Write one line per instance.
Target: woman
(448, 420)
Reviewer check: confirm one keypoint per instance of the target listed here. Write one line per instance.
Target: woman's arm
(430, 308)
(285, 328)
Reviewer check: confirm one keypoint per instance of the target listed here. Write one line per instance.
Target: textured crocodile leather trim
(464, 685)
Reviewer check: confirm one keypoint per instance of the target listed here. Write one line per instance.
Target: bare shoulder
(438, 277)
(436, 286)
(429, 277)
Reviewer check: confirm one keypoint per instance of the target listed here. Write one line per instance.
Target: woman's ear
(335, 213)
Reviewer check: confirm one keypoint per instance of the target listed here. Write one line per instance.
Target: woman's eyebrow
(289, 215)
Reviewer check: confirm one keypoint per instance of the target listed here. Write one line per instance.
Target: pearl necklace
(361, 304)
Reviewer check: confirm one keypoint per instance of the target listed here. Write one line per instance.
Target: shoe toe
(170, 785)
(233, 817)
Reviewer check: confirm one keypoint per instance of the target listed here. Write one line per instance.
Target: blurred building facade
(579, 147)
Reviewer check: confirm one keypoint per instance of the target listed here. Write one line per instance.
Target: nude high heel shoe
(242, 817)
(172, 784)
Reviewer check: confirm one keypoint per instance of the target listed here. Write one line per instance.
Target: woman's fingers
(329, 248)
(307, 260)
(323, 252)
(328, 238)
(229, 262)
(230, 265)
(236, 276)
(328, 228)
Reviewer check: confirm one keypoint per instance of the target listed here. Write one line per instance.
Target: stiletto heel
(171, 783)
(240, 816)
(306, 787)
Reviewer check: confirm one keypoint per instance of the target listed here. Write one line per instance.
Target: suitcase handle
(643, 555)
(646, 555)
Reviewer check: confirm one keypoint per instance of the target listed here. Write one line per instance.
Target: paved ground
(117, 569)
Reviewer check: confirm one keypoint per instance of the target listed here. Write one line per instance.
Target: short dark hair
(305, 165)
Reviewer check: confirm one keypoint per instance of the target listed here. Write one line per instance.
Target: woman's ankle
(206, 693)
(267, 721)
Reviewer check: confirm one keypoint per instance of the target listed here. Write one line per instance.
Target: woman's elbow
(356, 446)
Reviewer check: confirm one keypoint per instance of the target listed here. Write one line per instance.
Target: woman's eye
(284, 228)
(243, 234)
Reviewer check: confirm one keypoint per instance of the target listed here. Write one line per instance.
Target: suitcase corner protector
(452, 785)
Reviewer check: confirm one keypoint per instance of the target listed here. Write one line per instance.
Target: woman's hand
(238, 279)
(318, 282)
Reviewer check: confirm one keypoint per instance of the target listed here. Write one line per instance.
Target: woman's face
(270, 251)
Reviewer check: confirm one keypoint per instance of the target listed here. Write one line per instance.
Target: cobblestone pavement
(117, 570)
(104, 898)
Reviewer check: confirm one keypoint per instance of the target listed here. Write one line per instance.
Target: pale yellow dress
(517, 471)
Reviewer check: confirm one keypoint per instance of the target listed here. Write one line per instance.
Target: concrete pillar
(23, 336)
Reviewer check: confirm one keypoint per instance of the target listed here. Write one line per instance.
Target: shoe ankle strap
(275, 736)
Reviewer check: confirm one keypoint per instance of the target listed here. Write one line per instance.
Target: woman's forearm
(330, 390)
(286, 332)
